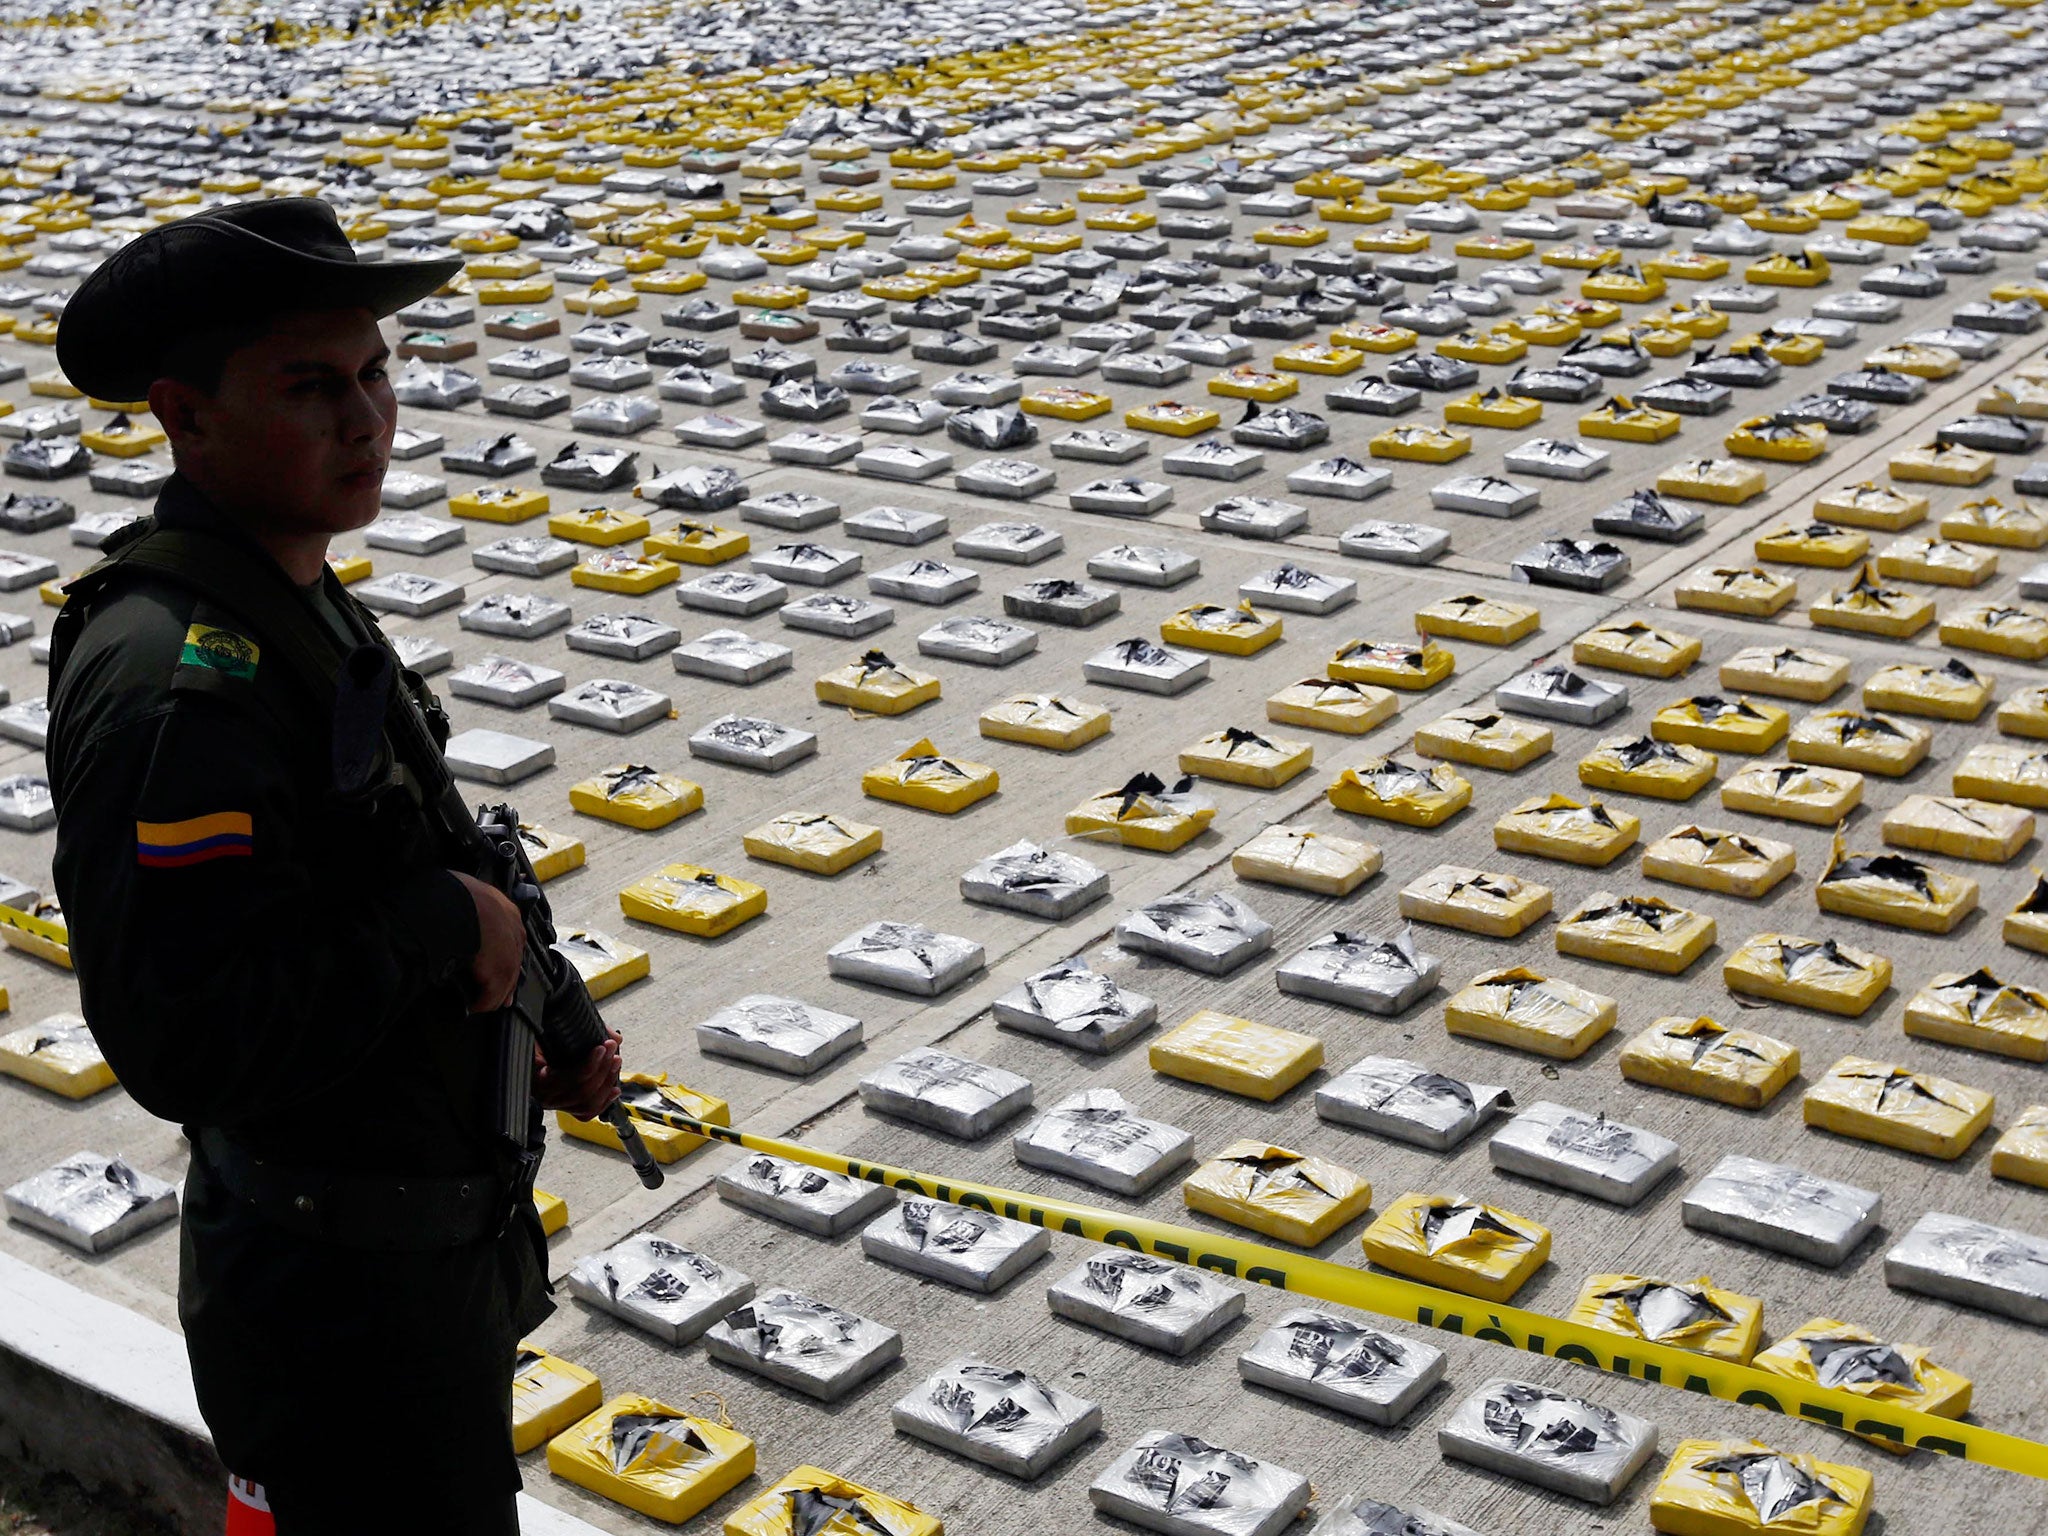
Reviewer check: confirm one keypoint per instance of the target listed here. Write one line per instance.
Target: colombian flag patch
(175, 844)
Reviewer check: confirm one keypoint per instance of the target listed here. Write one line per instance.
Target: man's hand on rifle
(588, 1089)
(494, 973)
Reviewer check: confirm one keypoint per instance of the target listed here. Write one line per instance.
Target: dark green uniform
(283, 971)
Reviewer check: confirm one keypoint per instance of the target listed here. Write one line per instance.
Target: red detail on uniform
(248, 1510)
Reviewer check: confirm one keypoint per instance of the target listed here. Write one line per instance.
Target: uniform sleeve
(222, 976)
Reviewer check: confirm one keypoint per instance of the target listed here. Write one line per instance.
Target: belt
(398, 1213)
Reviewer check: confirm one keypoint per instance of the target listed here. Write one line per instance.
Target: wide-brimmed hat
(221, 266)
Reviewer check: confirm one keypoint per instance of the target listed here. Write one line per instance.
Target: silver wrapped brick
(975, 1250)
(1549, 1438)
(1956, 1259)
(1184, 1486)
(1361, 970)
(1151, 1302)
(92, 1202)
(1784, 1209)
(804, 1344)
(1001, 1418)
(1587, 1154)
(1069, 1003)
(1409, 1102)
(810, 1199)
(1037, 881)
(659, 1286)
(944, 1092)
(1342, 1364)
(1097, 1137)
(780, 1033)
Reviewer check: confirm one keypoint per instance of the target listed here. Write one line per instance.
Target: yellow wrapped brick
(1144, 813)
(1306, 860)
(1961, 828)
(1621, 419)
(1722, 724)
(499, 504)
(1696, 1315)
(1488, 620)
(2025, 713)
(1238, 631)
(618, 570)
(2021, 1155)
(635, 795)
(1520, 1008)
(1865, 742)
(926, 779)
(652, 1090)
(606, 964)
(1645, 932)
(1881, 1102)
(691, 543)
(1392, 663)
(1933, 464)
(1259, 1061)
(1475, 901)
(1727, 482)
(1635, 645)
(38, 930)
(550, 853)
(1493, 407)
(1776, 441)
(1893, 889)
(2004, 772)
(1952, 691)
(1045, 720)
(601, 526)
(350, 568)
(1570, 831)
(1820, 544)
(1712, 859)
(1458, 1244)
(1997, 629)
(548, 1395)
(687, 898)
(1868, 504)
(1235, 755)
(1786, 672)
(1751, 592)
(877, 685)
(1981, 1013)
(656, 1460)
(59, 1055)
(1868, 607)
(1937, 561)
(1710, 1060)
(1987, 520)
(1808, 973)
(1744, 1488)
(816, 841)
(1643, 765)
(553, 1212)
(1793, 792)
(795, 1504)
(1292, 1196)
(1333, 704)
(1828, 1353)
(1420, 444)
(1484, 738)
(1387, 790)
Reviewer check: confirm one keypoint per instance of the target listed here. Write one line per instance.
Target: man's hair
(200, 355)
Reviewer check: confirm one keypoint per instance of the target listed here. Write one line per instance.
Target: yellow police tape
(1409, 1301)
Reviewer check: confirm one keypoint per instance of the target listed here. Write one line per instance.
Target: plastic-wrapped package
(1893, 889)
(1485, 738)
(1737, 1487)
(1747, 590)
(1721, 724)
(1521, 1008)
(1826, 1353)
(92, 1201)
(654, 1459)
(1332, 704)
(923, 777)
(58, 1054)
(1356, 1516)
(1560, 692)
(659, 1286)
(1041, 882)
(548, 1395)
(635, 795)
(1588, 1154)
(809, 1501)
(1811, 973)
(606, 964)
(2008, 772)
(1404, 664)
(1388, 790)
(1953, 1258)
(1475, 900)
(1408, 1102)
(810, 1199)
(1214, 934)
(1696, 1315)
(1866, 742)
(1714, 859)
(687, 898)
(1710, 1060)
(1646, 932)
(1378, 974)
(1293, 1196)
(778, 1032)
(1097, 1137)
(1342, 1364)
(1981, 1012)
(1321, 862)
(1571, 831)
(652, 1090)
(1643, 765)
(1002, 1418)
(1236, 755)
(1144, 813)
(975, 1250)
(2021, 1154)
(1077, 1006)
(1045, 720)
(1914, 1111)
(1951, 691)
(1957, 826)
(1458, 1244)
(1794, 792)
(948, 1093)
(1160, 1305)
(877, 685)
(1185, 1486)
(1488, 620)
(905, 957)
(1634, 644)
(1549, 1438)
(1784, 1209)
(1238, 631)
(1217, 1050)
(803, 1344)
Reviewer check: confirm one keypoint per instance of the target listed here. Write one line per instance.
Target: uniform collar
(181, 504)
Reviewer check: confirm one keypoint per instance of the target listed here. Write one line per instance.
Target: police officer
(285, 969)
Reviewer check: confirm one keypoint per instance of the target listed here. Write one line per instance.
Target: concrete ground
(915, 879)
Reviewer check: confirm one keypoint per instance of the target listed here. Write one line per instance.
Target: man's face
(298, 432)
